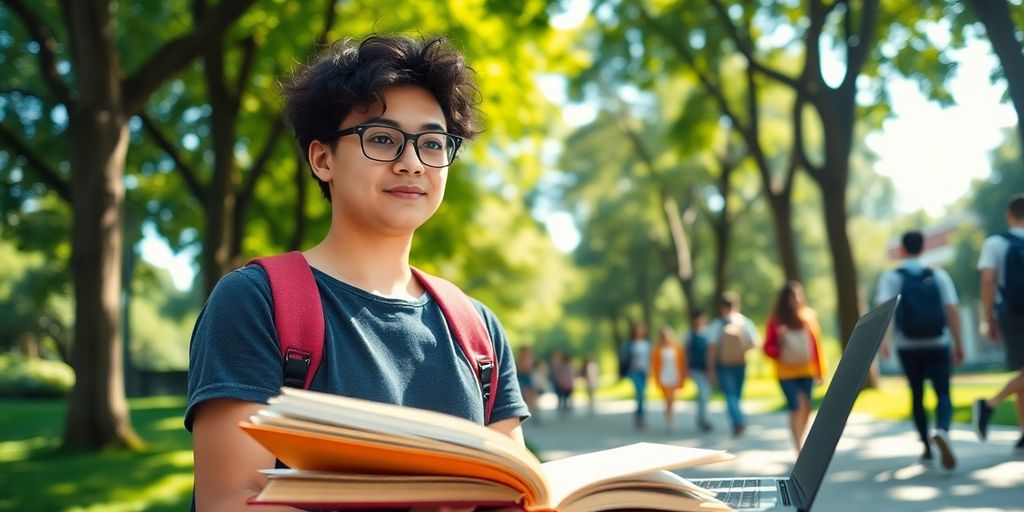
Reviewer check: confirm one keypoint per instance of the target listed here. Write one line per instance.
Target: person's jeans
(700, 378)
(639, 379)
(935, 365)
(730, 378)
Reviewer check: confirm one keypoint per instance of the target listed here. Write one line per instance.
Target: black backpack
(920, 314)
(1012, 290)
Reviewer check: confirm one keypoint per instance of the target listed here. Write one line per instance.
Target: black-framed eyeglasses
(386, 143)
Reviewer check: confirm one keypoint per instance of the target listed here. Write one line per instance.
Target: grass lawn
(36, 476)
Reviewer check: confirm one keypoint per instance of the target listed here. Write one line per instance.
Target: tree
(83, 73)
(226, 191)
(1002, 28)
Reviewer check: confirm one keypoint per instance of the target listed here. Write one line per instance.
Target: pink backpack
(299, 320)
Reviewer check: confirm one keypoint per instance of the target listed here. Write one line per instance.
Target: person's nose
(409, 161)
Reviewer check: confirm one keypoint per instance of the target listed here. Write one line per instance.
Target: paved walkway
(875, 467)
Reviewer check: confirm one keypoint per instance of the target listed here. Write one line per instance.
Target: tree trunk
(843, 267)
(98, 113)
(781, 206)
(995, 15)
(301, 184)
(98, 132)
(217, 257)
(97, 409)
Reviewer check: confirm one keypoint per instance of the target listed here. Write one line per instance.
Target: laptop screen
(828, 425)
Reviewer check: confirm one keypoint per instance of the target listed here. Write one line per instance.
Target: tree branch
(175, 54)
(687, 56)
(47, 174)
(259, 166)
(857, 55)
(746, 48)
(248, 47)
(187, 171)
(43, 36)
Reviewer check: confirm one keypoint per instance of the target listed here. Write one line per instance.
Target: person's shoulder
(242, 282)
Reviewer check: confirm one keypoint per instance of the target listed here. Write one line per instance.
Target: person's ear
(320, 159)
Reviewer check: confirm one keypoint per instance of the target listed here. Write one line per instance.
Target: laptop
(797, 491)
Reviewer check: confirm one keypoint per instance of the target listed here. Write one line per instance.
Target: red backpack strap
(469, 331)
(298, 315)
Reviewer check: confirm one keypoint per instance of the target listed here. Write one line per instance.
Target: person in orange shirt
(792, 340)
(668, 363)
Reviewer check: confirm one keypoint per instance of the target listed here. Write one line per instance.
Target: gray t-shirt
(889, 285)
(993, 255)
(376, 348)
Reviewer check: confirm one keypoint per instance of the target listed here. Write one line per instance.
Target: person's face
(699, 322)
(391, 198)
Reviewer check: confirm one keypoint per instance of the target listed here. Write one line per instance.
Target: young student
(1002, 296)
(669, 370)
(791, 339)
(379, 121)
(926, 327)
(591, 373)
(697, 365)
(635, 363)
(730, 335)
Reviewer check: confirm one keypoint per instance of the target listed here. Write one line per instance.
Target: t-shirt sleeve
(508, 403)
(234, 351)
(888, 285)
(989, 253)
(946, 288)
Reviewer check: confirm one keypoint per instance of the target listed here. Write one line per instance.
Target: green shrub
(22, 377)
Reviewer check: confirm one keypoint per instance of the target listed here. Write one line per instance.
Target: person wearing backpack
(792, 340)
(730, 336)
(1001, 264)
(696, 343)
(926, 333)
(379, 122)
(635, 360)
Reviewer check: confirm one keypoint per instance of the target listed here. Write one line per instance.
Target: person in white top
(927, 321)
(1001, 264)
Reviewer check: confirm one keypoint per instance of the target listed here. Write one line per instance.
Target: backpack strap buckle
(296, 367)
(485, 366)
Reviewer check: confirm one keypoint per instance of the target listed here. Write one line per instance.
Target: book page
(582, 474)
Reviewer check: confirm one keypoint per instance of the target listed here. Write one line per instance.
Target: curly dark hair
(351, 74)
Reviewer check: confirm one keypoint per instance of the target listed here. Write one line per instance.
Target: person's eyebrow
(431, 126)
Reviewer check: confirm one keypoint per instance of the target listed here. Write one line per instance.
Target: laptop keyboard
(739, 494)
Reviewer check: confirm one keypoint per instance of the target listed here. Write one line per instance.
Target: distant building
(940, 252)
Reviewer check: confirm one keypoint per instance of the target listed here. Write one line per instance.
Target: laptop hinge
(797, 494)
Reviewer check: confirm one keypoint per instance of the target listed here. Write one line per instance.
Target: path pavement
(875, 468)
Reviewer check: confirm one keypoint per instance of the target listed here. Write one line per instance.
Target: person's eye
(432, 142)
(382, 138)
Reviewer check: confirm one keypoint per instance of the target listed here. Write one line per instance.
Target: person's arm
(988, 302)
(511, 427)
(953, 319)
(227, 461)
(886, 290)
(771, 339)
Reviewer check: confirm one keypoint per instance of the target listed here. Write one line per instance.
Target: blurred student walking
(730, 336)
(1002, 296)
(669, 369)
(697, 365)
(928, 304)
(792, 340)
(634, 362)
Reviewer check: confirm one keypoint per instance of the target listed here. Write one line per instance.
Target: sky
(931, 153)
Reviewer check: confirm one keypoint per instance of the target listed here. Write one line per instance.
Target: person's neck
(376, 263)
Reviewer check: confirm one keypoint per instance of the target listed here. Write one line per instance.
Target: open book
(347, 453)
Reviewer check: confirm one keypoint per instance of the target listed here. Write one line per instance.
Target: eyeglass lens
(435, 149)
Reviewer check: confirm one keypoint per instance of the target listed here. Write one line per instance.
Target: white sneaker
(942, 443)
